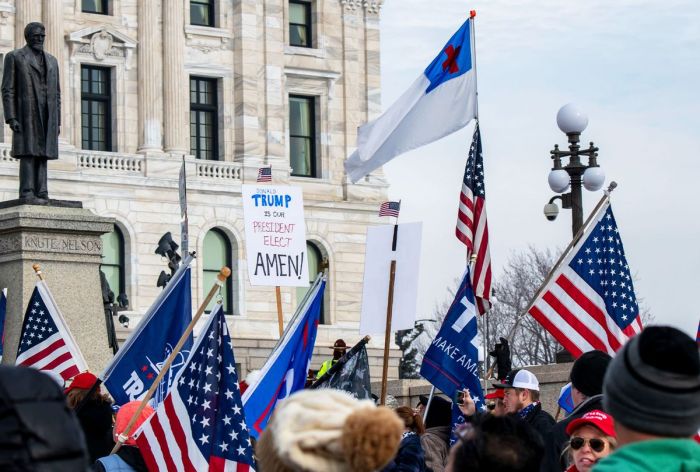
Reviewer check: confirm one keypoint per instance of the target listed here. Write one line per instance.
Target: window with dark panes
(217, 253)
(101, 7)
(203, 118)
(202, 12)
(302, 136)
(317, 264)
(113, 261)
(95, 108)
(300, 23)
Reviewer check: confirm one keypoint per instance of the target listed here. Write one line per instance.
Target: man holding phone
(521, 396)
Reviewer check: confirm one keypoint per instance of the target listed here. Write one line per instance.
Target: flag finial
(472, 13)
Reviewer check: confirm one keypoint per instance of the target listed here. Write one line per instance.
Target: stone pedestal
(66, 243)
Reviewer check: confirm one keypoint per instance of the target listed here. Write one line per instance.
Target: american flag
(589, 302)
(45, 342)
(200, 425)
(265, 174)
(697, 337)
(390, 209)
(3, 308)
(472, 226)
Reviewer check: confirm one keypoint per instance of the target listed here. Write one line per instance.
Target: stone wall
(552, 378)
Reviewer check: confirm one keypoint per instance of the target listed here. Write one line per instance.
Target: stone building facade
(230, 86)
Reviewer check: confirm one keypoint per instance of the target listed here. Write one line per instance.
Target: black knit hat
(588, 371)
(653, 384)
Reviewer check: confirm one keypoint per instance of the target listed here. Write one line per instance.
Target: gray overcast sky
(633, 66)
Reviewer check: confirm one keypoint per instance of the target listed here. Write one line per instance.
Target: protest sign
(275, 234)
(378, 257)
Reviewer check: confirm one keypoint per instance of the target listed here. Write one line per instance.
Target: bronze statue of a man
(31, 98)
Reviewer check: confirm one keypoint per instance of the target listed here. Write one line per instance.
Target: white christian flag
(45, 342)
(441, 101)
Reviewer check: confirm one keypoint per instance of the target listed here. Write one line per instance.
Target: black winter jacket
(95, 418)
(38, 432)
(557, 439)
(541, 421)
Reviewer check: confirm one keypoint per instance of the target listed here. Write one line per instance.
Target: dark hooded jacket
(38, 432)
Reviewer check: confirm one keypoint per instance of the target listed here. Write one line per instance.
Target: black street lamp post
(573, 175)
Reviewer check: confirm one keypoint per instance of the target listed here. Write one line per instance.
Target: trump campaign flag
(441, 101)
(451, 363)
(588, 301)
(45, 341)
(285, 370)
(200, 424)
(130, 373)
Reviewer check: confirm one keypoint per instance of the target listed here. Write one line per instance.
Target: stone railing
(111, 162)
(219, 170)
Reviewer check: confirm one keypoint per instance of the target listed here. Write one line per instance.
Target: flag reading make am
(275, 234)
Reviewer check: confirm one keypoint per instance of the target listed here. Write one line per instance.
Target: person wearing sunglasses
(592, 437)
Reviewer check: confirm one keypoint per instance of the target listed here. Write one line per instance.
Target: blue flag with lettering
(134, 368)
(451, 363)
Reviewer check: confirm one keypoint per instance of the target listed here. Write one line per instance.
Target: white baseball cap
(520, 378)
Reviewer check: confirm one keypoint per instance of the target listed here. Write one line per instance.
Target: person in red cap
(592, 437)
(499, 408)
(94, 411)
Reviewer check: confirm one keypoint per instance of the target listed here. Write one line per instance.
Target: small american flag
(697, 337)
(265, 174)
(200, 425)
(472, 227)
(589, 302)
(45, 342)
(390, 209)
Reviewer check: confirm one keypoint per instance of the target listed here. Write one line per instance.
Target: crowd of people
(637, 411)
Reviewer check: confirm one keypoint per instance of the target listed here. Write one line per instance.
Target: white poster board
(375, 292)
(275, 235)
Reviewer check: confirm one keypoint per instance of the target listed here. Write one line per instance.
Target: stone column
(150, 79)
(66, 243)
(52, 13)
(26, 11)
(175, 83)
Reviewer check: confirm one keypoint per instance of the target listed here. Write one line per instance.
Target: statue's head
(34, 34)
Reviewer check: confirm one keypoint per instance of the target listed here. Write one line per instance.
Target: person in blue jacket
(410, 457)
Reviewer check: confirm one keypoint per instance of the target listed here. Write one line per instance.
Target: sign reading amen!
(275, 235)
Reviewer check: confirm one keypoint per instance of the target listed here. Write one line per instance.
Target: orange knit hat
(124, 416)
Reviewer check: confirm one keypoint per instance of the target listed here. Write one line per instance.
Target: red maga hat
(597, 418)
(83, 380)
(499, 393)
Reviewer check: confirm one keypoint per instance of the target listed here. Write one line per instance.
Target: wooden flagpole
(389, 309)
(224, 273)
(280, 316)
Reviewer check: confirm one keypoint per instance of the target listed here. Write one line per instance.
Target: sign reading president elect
(275, 235)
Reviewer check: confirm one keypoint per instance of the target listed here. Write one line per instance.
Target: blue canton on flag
(451, 362)
(454, 60)
(201, 425)
(589, 302)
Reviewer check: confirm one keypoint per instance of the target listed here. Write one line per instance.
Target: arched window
(217, 253)
(113, 261)
(317, 263)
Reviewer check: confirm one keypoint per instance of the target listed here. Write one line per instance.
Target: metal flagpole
(427, 405)
(184, 222)
(223, 274)
(472, 34)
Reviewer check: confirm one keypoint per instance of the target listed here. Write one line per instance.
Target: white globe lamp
(571, 120)
(559, 180)
(593, 179)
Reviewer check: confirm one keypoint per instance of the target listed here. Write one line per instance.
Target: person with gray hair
(652, 389)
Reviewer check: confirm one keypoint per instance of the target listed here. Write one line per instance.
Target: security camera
(551, 210)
